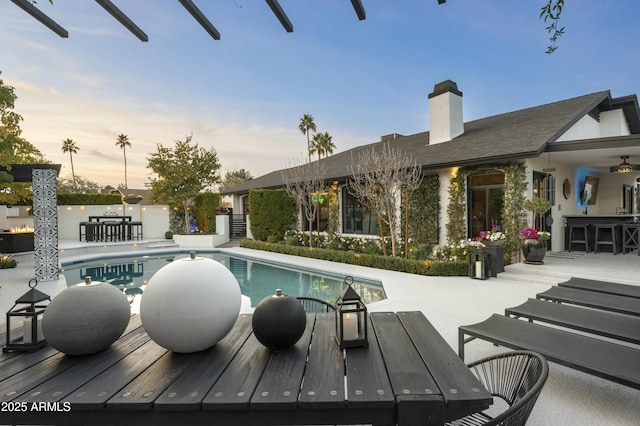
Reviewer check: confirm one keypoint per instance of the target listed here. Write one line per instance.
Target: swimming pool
(257, 278)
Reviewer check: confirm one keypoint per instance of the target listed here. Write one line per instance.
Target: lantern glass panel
(26, 316)
(351, 324)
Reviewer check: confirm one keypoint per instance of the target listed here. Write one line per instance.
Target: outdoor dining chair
(314, 305)
(513, 378)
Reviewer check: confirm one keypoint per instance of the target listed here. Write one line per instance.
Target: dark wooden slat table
(408, 375)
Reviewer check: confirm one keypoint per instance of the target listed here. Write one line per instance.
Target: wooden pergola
(189, 5)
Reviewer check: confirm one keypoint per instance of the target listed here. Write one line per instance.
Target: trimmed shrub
(420, 267)
(77, 199)
(204, 206)
(273, 212)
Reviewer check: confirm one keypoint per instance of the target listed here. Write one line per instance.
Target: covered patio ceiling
(600, 154)
(29, 7)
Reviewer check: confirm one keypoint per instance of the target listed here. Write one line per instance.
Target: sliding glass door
(486, 201)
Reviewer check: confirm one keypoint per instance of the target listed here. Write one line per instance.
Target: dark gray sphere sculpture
(86, 318)
(279, 321)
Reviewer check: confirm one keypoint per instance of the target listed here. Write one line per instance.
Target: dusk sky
(244, 95)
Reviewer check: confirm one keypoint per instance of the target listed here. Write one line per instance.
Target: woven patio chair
(516, 378)
(313, 305)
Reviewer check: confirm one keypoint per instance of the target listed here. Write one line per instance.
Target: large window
(486, 201)
(357, 219)
(322, 213)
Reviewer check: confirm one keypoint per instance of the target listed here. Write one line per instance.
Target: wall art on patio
(566, 189)
(45, 220)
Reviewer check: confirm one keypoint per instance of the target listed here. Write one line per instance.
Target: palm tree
(123, 143)
(307, 124)
(322, 144)
(68, 145)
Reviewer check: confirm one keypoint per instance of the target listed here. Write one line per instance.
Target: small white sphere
(190, 304)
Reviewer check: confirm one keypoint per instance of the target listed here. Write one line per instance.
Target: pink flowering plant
(532, 233)
(491, 235)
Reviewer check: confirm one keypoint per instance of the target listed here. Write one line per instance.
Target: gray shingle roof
(510, 136)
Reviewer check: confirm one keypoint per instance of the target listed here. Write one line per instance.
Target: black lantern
(31, 315)
(351, 318)
(478, 265)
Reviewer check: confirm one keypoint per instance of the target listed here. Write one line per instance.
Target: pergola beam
(282, 17)
(123, 19)
(357, 5)
(40, 16)
(202, 20)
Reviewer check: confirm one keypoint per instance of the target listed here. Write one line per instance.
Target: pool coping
(253, 258)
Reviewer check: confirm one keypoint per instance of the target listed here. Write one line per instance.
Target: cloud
(93, 123)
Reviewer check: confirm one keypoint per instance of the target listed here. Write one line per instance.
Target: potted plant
(7, 261)
(491, 238)
(534, 240)
(132, 199)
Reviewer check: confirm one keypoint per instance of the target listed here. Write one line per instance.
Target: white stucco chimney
(445, 112)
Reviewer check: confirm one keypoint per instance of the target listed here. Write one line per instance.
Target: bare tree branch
(302, 181)
(378, 179)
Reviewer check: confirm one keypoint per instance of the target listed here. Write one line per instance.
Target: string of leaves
(551, 12)
(424, 208)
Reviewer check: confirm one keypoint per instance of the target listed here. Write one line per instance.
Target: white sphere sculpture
(190, 304)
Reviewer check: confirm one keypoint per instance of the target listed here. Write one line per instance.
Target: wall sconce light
(351, 318)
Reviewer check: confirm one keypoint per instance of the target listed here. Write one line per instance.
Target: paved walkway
(569, 397)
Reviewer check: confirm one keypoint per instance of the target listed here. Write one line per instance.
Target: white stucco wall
(155, 218)
(445, 117)
(612, 123)
(15, 217)
(445, 182)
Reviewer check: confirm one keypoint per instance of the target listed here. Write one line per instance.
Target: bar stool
(581, 238)
(112, 231)
(601, 239)
(82, 227)
(630, 237)
(94, 231)
(133, 230)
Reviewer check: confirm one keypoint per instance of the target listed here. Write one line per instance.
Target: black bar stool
(133, 230)
(112, 231)
(579, 238)
(630, 237)
(94, 231)
(607, 238)
(82, 230)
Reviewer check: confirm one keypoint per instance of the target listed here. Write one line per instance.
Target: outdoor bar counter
(592, 220)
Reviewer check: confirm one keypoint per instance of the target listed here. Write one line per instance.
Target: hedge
(272, 213)
(204, 206)
(78, 199)
(420, 267)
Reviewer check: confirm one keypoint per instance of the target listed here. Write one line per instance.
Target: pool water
(257, 279)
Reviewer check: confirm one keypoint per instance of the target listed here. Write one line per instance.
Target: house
(560, 144)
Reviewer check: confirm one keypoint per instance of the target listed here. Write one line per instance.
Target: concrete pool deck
(569, 396)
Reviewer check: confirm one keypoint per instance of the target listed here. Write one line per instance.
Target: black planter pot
(534, 251)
